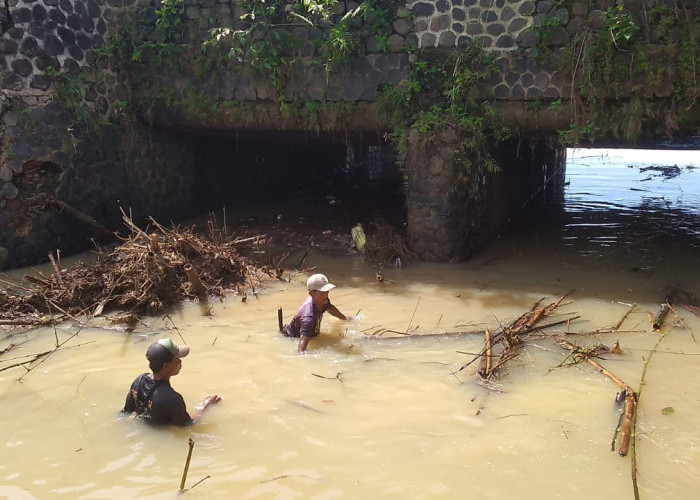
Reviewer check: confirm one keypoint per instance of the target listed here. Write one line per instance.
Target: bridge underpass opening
(322, 180)
(643, 204)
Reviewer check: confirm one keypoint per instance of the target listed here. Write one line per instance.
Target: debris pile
(146, 273)
(386, 244)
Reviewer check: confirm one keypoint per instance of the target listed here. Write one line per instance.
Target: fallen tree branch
(617, 325)
(680, 320)
(81, 216)
(630, 395)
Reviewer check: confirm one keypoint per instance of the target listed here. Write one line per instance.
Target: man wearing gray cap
(306, 323)
(152, 398)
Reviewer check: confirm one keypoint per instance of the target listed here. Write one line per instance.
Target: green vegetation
(273, 41)
(24, 119)
(442, 94)
(615, 70)
(270, 47)
(70, 92)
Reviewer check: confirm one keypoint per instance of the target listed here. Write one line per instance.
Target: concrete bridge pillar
(454, 209)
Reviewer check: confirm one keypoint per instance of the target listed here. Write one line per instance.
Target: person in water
(152, 398)
(306, 323)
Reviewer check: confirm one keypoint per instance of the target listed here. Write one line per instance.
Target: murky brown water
(386, 418)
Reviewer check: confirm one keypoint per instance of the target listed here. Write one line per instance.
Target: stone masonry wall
(444, 224)
(44, 154)
(382, 60)
(505, 29)
(459, 220)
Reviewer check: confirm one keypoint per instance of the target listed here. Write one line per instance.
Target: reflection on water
(393, 418)
(618, 198)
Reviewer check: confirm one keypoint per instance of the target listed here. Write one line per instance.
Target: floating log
(627, 421)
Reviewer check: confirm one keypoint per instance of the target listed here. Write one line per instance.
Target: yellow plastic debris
(358, 237)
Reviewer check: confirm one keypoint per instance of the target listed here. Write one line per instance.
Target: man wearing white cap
(306, 323)
(152, 398)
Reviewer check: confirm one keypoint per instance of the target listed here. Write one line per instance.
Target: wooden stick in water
(680, 320)
(56, 270)
(630, 397)
(486, 371)
(627, 420)
(190, 442)
(413, 315)
(617, 325)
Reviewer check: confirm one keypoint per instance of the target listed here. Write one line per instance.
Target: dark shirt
(156, 402)
(307, 320)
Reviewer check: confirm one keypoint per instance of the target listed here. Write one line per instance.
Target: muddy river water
(394, 417)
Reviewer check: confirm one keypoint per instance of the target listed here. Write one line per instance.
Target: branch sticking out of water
(579, 354)
(413, 315)
(680, 320)
(190, 443)
(634, 425)
(617, 325)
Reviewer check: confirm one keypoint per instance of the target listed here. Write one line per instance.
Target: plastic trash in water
(358, 237)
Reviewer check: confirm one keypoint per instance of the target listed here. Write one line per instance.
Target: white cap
(319, 282)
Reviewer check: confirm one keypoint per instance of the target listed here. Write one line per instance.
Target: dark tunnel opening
(324, 181)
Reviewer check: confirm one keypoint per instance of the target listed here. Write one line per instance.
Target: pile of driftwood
(385, 244)
(149, 271)
(505, 343)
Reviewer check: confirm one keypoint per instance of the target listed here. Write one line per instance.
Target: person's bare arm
(202, 407)
(303, 342)
(333, 311)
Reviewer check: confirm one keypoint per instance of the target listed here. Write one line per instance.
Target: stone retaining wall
(42, 153)
(508, 30)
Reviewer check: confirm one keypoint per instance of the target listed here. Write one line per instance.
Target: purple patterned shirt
(307, 320)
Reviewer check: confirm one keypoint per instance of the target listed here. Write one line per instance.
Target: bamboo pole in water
(486, 361)
(684, 300)
(190, 442)
(627, 420)
(634, 424)
(630, 395)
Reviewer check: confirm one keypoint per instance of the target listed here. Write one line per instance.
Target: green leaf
(668, 410)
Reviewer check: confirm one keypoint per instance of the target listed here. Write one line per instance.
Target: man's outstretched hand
(208, 401)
